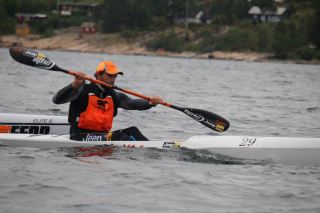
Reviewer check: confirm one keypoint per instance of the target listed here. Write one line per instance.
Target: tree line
(297, 36)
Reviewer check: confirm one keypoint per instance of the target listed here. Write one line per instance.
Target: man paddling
(93, 107)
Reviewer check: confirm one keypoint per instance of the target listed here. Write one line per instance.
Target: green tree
(309, 11)
(169, 9)
(36, 6)
(265, 5)
(238, 39)
(167, 41)
(124, 14)
(229, 11)
(289, 36)
(220, 11)
(241, 8)
(265, 37)
(315, 32)
(8, 8)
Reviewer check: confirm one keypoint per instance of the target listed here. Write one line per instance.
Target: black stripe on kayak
(40, 124)
(29, 128)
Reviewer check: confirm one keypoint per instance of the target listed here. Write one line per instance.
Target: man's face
(107, 78)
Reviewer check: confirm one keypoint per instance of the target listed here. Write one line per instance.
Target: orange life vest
(99, 114)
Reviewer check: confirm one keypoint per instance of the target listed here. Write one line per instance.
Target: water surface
(259, 99)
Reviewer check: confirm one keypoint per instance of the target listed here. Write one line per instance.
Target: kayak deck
(33, 124)
(57, 141)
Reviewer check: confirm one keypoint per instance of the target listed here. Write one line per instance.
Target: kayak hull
(303, 151)
(286, 150)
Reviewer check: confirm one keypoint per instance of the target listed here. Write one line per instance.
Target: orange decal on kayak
(5, 129)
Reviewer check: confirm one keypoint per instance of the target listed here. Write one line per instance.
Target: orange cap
(109, 67)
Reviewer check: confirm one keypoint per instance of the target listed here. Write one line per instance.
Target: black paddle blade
(33, 58)
(208, 119)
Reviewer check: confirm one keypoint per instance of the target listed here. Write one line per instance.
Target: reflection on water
(145, 154)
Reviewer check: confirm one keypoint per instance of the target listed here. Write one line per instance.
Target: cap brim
(115, 73)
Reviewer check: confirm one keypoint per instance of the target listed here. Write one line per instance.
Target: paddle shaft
(219, 124)
(112, 86)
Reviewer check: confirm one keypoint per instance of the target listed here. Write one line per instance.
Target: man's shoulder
(87, 87)
(119, 95)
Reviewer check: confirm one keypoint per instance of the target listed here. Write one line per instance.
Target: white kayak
(43, 131)
(271, 149)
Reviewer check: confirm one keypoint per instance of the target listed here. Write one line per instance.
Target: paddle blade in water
(32, 58)
(208, 119)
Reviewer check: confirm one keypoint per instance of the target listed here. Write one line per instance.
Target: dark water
(261, 99)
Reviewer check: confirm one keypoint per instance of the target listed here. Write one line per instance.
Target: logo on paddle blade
(42, 61)
(195, 116)
(30, 53)
(219, 126)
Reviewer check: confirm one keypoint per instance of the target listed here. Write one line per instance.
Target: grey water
(259, 99)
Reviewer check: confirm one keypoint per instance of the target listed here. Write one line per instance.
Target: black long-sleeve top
(78, 98)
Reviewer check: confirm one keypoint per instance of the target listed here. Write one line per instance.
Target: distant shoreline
(104, 43)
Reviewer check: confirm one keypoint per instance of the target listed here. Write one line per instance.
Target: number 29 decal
(248, 141)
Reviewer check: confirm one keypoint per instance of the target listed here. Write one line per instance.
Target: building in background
(88, 27)
(24, 20)
(259, 16)
(199, 17)
(67, 8)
